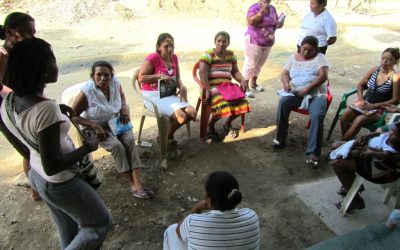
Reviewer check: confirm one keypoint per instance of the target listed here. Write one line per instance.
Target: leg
(285, 106)
(259, 64)
(253, 54)
(81, 217)
(172, 241)
(346, 119)
(357, 124)
(317, 110)
(34, 194)
(178, 118)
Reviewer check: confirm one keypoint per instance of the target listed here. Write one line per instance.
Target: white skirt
(166, 105)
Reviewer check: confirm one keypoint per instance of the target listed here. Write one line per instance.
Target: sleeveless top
(379, 93)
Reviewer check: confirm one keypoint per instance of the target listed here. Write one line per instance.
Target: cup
(393, 220)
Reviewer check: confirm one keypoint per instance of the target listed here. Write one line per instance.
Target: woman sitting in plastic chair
(218, 66)
(382, 84)
(303, 80)
(357, 156)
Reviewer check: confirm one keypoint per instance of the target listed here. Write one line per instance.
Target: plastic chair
(206, 108)
(342, 106)
(358, 181)
(329, 98)
(162, 120)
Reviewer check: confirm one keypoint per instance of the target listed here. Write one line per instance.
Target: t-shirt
(100, 110)
(321, 26)
(262, 34)
(158, 64)
(219, 70)
(232, 229)
(303, 73)
(31, 122)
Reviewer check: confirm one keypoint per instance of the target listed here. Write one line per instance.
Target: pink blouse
(159, 68)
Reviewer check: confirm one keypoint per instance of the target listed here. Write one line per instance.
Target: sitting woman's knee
(181, 117)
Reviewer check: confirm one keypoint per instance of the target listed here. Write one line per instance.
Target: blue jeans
(81, 216)
(317, 110)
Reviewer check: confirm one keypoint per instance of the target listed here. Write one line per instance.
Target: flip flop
(141, 195)
(148, 191)
(258, 88)
(233, 132)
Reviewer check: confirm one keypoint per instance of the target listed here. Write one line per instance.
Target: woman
(101, 99)
(217, 66)
(262, 21)
(224, 227)
(382, 84)
(319, 23)
(81, 216)
(164, 65)
(382, 149)
(304, 78)
(17, 27)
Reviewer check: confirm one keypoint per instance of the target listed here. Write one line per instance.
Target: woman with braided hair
(223, 227)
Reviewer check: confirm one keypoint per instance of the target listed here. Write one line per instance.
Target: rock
(13, 222)
(21, 180)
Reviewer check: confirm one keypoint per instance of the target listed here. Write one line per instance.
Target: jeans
(81, 217)
(317, 110)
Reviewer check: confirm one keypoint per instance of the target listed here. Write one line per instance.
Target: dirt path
(266, 176)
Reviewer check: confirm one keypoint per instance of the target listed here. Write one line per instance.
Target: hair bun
(233, 193)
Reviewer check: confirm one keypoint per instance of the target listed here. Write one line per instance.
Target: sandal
(214, 136)
(343, 191)
(353, 205)
(250, 94)
(141, 195)
(148, 191)
(258, 88)
(312, 161)
(233, 132)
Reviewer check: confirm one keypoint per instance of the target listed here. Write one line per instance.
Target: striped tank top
(379, 93)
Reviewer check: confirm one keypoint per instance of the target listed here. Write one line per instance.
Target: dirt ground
(266, 176)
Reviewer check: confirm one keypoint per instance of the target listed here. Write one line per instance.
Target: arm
(255, 19)
(182, 88)
(239, 77)
(361, 85)
(53, 159)
(331, 40)
(81, 104)
(395, 95)
(198, 208)
(203, 73)
(285, 79)
(3, 63)
(321, 78)
(124, 115)
(146, 73)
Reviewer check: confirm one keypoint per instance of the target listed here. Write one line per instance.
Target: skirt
(166, 105)
(221, 108)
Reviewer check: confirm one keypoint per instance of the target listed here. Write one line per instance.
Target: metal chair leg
(335, 119)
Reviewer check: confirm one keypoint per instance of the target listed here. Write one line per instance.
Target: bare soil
(123, 32)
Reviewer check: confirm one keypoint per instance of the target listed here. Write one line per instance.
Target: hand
(101, 134)
(391, 108)
(3, 51)
(360, 104)
(287, 87)
(200, 206)
(167, 79)
(67, 110)
(263, 8)
(360, 143)
(90, 139)
(244, 85)
(123, 115)
(302, 92)
(183, 93)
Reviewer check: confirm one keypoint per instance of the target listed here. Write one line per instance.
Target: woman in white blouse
(319, 23)
(303, 79)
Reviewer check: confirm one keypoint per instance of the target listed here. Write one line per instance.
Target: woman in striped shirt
(223, 227)
(382, 85)
(217, 66)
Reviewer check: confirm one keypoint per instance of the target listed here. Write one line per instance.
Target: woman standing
(17, 27)
(81, 216)
(262, 22)
(164, 65)
(218, 66)
(319, 23)
(304, 77)
(100, 100)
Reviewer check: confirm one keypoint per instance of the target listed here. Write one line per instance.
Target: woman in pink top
(262, 22)
(163, 65)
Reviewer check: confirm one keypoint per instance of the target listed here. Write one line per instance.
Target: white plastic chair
(162, 120)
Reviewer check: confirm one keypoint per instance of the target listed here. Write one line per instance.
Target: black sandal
(214, 136)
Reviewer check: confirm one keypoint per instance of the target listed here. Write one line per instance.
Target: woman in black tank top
(382, 85)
